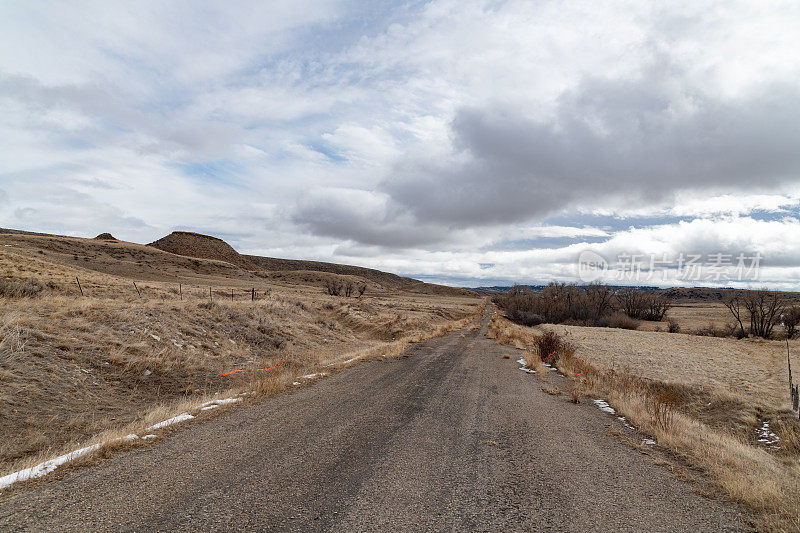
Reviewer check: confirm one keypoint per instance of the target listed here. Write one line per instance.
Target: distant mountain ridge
(193, 244)
(190, 244)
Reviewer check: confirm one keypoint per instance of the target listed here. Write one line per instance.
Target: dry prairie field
(720, 405)
(149, 333)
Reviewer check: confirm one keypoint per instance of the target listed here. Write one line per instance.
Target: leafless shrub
(551, 347)
(643, 305)
(673, 327)
(662, 409)
(361, 289)
(557, 303)
(619, 320)
(334, 287)
(348, 289)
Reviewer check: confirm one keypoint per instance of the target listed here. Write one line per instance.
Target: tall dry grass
(76, 370)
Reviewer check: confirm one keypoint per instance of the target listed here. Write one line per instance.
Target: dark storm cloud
(363, 217)
(640, 140)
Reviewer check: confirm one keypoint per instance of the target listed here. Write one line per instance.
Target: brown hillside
(105, 237)
(385, 279)
(204, 246)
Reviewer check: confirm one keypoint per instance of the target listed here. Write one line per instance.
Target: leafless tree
(348, 289)
(599, 297)
(361, 289)
(735, 306)
(791, 318)
(765, 308)
(631, 302)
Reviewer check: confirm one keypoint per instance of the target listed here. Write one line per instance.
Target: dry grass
(702, 398)
(77, 370)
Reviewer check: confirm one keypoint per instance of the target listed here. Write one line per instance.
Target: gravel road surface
(450, 437)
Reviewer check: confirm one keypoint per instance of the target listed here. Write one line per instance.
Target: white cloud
(420, 138)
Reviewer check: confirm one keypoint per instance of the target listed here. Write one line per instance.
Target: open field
(77, 369)
(705, 399)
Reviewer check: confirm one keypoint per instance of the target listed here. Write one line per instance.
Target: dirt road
(450, 437)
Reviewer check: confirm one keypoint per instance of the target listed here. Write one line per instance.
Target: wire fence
(212, 294)
(794, 389)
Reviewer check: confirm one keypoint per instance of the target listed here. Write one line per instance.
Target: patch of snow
(649, 442)
(146, 373)
(226, 401)
(156, 337)
(296, 383)
(603, 406)
(622, 419)
(522, 362)
(213, 404)
(174, 420)
(46, 467)
(314, 375)
(150, 436)
(767, 437)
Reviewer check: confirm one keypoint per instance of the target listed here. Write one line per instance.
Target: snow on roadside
(603, 406)
(522, 362)
(174, 420)
(46, 467)
(213, 404)
(42, 469)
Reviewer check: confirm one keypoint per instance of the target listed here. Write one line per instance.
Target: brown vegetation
(204, 246)
(75, 369)
(590, 305)
(704, 399)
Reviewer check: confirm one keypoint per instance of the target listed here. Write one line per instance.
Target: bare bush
(334, 287)
(618, 319)
(551, 347)
(557, 303)
(673, 327)
(643, 305)
(591, 305)
(361, 289)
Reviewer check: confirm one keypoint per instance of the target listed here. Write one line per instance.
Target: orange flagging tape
(251, 369)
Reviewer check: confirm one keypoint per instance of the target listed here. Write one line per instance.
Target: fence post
(79, 285)
(254, 294)
(210, 295)
(180, 290)
(231, 294)
(789, 362)
(137, 289)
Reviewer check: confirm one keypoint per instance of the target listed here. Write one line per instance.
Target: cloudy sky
(472, 143)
